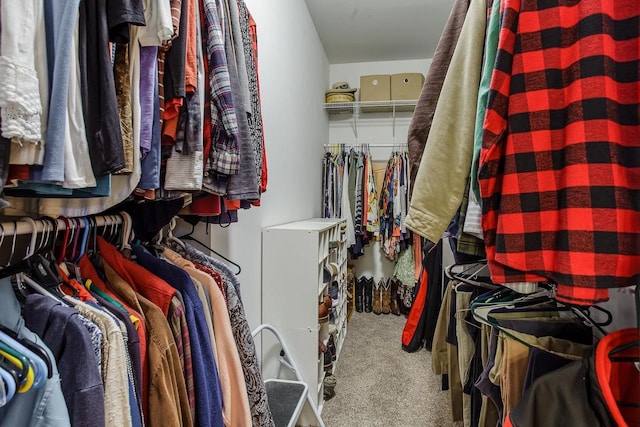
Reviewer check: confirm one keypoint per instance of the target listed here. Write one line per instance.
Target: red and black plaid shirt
(560, 162)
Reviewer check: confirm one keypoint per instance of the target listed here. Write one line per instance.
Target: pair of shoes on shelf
(329, 386)
(322, 348)
(331, 347)
(328, 363)
(324, 309)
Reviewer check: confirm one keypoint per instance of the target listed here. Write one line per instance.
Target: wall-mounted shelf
(369, 107)
(357, 109)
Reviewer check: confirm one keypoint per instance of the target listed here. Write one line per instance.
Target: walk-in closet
(244, 213)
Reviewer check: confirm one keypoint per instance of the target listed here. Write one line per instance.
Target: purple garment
(148, 78)
(150, 175)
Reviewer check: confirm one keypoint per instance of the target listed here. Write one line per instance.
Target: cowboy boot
(377, 297)
(395, 307)
(386, 296)
(359, 297)
(368, 295)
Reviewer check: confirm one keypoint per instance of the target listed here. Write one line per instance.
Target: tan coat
(446, 162)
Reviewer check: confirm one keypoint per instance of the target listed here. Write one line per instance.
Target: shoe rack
(294, 285)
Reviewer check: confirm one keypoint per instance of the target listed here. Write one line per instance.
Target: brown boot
(377, 297)
(386, 296)
(395, 307)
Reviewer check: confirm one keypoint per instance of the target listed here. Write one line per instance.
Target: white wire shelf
(354, 109)
(369, 106)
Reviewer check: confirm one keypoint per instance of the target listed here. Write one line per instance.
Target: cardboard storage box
(406, 86)
(375, 88)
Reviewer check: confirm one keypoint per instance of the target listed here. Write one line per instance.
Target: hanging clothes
(180, 88)
(393, 207)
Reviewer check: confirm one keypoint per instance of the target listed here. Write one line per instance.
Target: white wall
(372, 129)
(294, 73)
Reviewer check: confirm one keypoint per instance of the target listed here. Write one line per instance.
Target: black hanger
(189, 236)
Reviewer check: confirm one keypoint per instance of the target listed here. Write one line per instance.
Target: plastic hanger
(39, 351)
(40, 367)
(26, 374)
(31, 249)
(83, 243)
(10, 384)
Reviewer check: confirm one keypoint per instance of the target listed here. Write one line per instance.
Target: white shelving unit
(360, 110)
(293, 258)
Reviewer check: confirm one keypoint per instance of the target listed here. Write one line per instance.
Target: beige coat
(444, 168)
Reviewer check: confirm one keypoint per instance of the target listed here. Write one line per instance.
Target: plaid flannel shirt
(224, 157)
(560, 162)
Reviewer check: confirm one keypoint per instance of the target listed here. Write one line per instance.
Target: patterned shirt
(224, 156)
(260, 412)
(178, 324)
(560, 162)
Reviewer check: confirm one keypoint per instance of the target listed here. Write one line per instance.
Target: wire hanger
(189, 236)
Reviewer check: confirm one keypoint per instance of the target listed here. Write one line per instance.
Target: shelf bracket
(356, 111)
(393, 131)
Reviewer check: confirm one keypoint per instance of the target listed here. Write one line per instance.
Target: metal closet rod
(21, 226)
(399, 144)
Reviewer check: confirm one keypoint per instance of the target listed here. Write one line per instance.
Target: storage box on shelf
(375, 88)
(406, 86)
(293, 260)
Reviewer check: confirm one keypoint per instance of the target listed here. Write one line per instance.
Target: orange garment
(89, 272)
(73, 288)
(139, 278)
(417, 256)
(171, 117)
(191, 62)
(232, 205)
(168, 402)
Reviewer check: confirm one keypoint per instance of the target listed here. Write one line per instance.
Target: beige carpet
(379, 384)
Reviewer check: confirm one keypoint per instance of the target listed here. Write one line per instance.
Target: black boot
(359, 297)
(368, 295)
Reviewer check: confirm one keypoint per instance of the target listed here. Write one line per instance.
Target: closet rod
(20, 226)
(370, 145)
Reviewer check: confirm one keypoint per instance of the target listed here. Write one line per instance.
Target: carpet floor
(379, 384)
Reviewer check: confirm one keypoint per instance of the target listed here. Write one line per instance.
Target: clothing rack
(26, 225)
(386, 145)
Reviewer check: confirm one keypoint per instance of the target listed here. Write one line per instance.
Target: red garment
(139, 278)
(620, 381)
(206, 206)
(560, 175)
(216, 277)
(417, 309)
(89, 272)
(78, 291)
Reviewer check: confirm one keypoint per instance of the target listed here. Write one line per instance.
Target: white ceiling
(379, 30)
